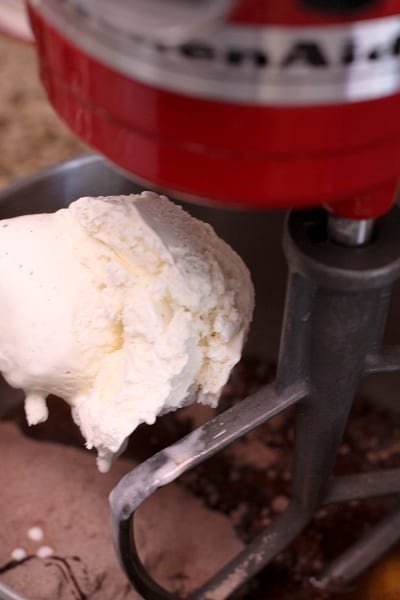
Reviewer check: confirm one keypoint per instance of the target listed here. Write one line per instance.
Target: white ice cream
(126, 307)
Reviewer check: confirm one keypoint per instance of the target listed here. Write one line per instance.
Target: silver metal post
(350, 232)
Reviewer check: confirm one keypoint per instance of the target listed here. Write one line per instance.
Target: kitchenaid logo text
(252, 64)
(305, 52)
(278, 65)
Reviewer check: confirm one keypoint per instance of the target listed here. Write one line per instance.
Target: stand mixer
(250, 103)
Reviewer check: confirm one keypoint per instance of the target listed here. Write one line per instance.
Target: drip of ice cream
(126, 307)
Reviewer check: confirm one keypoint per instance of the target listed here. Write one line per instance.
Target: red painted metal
(294, 12)
(342, 156)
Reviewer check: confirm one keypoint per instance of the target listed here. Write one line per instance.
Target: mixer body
(279, 104)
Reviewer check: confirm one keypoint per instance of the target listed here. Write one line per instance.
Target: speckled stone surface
(31, 134)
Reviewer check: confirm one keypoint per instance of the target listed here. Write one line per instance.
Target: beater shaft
(350, 232)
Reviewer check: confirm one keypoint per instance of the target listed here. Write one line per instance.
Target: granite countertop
(31, 134)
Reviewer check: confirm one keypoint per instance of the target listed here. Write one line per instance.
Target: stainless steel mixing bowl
(256, 236)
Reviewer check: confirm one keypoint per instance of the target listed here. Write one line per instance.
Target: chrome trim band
(267, 66)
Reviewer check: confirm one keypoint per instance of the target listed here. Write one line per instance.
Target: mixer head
(251, 103)
(261, 104)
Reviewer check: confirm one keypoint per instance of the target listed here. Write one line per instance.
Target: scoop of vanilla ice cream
(126, 307)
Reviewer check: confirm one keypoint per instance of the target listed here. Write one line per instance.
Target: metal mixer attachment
(340, 277)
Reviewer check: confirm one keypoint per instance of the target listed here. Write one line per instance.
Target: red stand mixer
(253, 103)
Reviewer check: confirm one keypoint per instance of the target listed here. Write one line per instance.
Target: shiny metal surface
(350, 232)
(7, 593)
(265, 65)
(170, 21)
